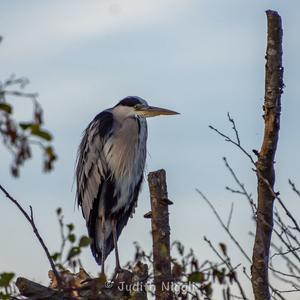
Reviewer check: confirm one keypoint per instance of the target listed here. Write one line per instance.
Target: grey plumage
(109, 171)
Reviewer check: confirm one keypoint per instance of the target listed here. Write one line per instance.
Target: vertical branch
(265, 163)
(160, 234)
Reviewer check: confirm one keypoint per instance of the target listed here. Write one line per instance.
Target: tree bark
(265, 163)
(35, 290)
(160, 234)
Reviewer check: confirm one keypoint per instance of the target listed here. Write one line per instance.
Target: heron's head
(136, 106)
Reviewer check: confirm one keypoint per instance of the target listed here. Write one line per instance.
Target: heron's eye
(137, 106)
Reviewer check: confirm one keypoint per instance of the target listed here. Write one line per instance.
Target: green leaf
(4, 296)
(70, 227)
(25, 126)
(5, 279)
(197, 277)
(50, 152)
(73, 252)
(34, 127)
(84, 241)
(6, 107)
(55, 256)
(72, 237)
(41, 133)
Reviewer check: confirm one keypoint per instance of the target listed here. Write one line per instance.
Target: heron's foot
(118, 270)
(123, 275)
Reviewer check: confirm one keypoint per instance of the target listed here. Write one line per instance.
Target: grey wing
(91, 165)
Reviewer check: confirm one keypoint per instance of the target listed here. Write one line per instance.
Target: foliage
(190, 278)
(19, 136)
(6, 286)
(71, 246)
(68, 256)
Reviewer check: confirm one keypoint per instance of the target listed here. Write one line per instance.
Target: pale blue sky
(201, 58)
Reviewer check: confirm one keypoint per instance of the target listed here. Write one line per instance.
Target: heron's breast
(126, 155)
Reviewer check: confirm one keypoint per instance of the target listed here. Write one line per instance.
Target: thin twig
(292, 184)
(242, 186)
(283, 273)
(275, 195)
(30, 219)
(223, 225)
(275, 291)
(280, 253)
(231, 120)
(229, 266)
(237, 142)
(286, 229)
(246, 274)
(230, 215)
(287, 259)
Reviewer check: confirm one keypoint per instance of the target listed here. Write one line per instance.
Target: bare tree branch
(229, 266)
(224, 226)
(242, 187)
(230, 140)
(230, 215)
(30, 219)
(292, 184)
(35, 290)
(276, 196)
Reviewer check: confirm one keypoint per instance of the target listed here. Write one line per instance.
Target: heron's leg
(102, 257)
(103, 246)
(114, 233)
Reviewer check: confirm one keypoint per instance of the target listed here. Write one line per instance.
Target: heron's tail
(98, 240)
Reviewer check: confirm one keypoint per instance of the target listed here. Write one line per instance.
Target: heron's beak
(152, 111)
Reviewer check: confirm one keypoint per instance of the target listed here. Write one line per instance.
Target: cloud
(48, 28)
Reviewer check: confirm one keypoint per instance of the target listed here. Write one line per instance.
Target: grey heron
(109, 171)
